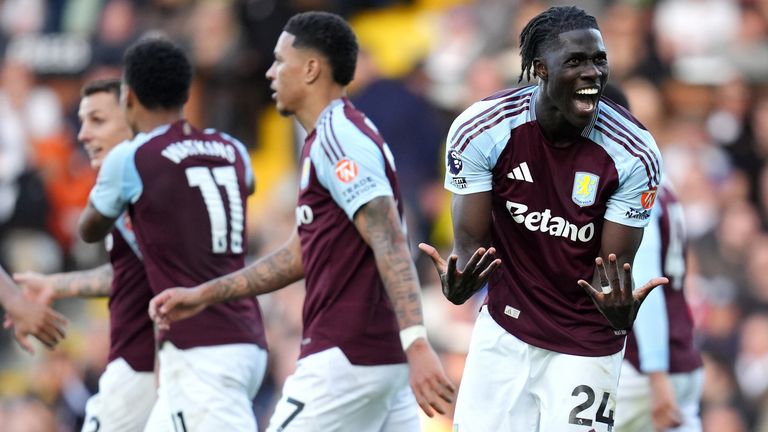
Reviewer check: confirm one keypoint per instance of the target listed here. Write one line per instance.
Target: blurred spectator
(757, 288)
(752, 361)
(116, 30)
(223, 92)
(458, 45)
(723, 419)
(693, 53)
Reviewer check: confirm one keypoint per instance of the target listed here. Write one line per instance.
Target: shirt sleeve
(469, 170)
(118, 183)
(651, 328)
(351, 167)
(249, 176)
(632, 202)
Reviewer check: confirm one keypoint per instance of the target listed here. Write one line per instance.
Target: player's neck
(315, 104)
(554, 126)
(148, 121)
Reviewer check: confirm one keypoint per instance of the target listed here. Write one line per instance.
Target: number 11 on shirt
(208, 181)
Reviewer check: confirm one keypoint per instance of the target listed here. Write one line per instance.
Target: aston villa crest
(584, 188)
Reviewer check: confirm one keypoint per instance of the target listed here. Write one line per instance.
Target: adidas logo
(521, 172)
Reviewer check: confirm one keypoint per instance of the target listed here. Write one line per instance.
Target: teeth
(589, 91)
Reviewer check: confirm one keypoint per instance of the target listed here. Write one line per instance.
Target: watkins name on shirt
(180, 150)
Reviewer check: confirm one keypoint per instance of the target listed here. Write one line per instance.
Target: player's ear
(540, 69)
(127, 96)
(312, 70)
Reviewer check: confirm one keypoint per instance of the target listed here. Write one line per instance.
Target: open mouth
(585, 100)
(93, 152)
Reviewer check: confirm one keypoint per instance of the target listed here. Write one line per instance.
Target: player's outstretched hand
(616, 300)
(432, 388)
(31, 318)
(175, 304)
(36, 287)
(458, 286)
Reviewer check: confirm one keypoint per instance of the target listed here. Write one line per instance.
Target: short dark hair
(102, 85)
(158, 72)
(331, 36)
(545, 28)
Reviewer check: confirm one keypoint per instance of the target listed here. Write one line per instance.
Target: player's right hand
(31, 318)
(175, 304)
(458, 286)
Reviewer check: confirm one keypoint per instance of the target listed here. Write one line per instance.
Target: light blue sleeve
(469, 171)
(118, 183)
(355, 178)
(249, 176)
(651, 326)
(625, 206)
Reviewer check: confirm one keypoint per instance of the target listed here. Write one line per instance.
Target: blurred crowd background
(695, 72)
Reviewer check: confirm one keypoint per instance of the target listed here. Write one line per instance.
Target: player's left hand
(616, 300)
(432, 388)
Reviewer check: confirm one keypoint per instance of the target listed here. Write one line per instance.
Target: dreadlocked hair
(545, 27)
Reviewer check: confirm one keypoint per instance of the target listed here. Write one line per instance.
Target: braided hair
(545, 27)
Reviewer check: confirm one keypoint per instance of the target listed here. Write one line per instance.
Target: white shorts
(634, 402)
(209, 389)
(509, 385)
(329, 394)
(124, 400)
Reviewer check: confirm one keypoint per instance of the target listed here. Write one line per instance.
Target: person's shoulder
(512, 99)
(344, 129)
(615, 127)
(123, 150)
(618, 119)
(503, 110)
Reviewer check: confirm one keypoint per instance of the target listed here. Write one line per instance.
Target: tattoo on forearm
(272, 272)
(89, 283)
(380, 225)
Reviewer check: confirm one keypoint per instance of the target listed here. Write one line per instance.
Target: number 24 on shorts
(600, 417)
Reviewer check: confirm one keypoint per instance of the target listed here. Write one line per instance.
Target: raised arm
(379, 224)
(95, 282)
(272, 272)
(471, 230)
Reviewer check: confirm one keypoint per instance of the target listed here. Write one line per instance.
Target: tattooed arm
(46, 288)
(270, 273)
(379, 224)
